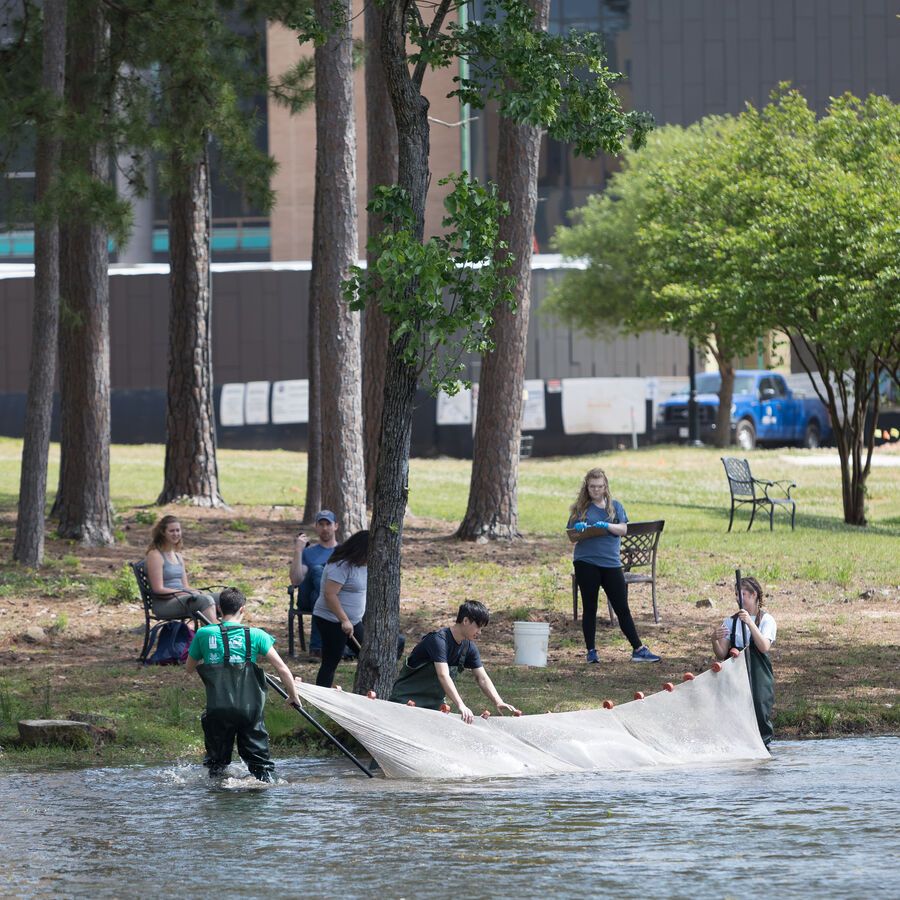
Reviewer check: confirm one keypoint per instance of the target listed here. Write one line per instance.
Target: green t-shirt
(206, 647)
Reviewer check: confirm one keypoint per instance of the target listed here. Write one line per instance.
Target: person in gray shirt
(342, 601)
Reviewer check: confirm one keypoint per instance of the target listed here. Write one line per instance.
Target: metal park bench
(756, 491)
(638, 550)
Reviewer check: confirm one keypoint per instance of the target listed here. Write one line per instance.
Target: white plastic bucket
(531, 640)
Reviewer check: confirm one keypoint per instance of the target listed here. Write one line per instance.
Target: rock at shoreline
(39, 732)
(35, 634)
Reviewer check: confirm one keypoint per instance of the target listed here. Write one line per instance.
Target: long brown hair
(579, 508)
(158, 534)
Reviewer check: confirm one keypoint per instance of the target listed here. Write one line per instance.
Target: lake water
(819, 820)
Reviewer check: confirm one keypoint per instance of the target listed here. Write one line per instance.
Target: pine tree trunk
(190, 468)
(313, 502)
(493, 506)
(377, 667)
(29, 543)
(82, 501)
(381, 161)
(335, 249)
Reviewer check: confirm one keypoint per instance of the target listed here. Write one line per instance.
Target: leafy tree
(437, 295)
(545, 80)
(660, 245)
(821, 252)
(773, 220)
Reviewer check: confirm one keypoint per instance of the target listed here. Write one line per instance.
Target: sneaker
(592, 656)
(642, 654)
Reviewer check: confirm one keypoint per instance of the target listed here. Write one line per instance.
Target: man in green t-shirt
(224, 656)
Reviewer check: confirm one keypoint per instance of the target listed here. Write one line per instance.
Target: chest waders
(762, 684)
(421, 685)
(235, 699)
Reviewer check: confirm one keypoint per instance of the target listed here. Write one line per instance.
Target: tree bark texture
(190, 468)
(377, 667)
(381, 163)
(726, 392)
(313, 502)
(29, 542)
(335, 249)
(82, 501)
(851, 395)
(493, 507)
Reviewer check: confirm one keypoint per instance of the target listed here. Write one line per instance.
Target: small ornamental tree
(821, 253)
(660, 250)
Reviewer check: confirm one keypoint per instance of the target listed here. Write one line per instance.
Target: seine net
(707, 720)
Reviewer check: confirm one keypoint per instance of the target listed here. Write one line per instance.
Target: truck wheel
(813, 438)
(745, 435)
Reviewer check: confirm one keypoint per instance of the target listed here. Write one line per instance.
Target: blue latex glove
(583, 526)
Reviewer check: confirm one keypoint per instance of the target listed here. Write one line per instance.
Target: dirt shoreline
(835, 678)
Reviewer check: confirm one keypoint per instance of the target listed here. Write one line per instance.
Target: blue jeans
(307, 595)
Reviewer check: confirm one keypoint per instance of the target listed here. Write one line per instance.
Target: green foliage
(122, 588)
(237, 525)
(772, 220)
(439, 294)
(145, 517)
(558, 82)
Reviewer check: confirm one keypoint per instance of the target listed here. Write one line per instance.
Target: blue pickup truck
(763, 410)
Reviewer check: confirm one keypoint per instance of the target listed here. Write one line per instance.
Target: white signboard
(534, 416)
(455, 410)
(256, 403)
(290, 402)
(231, 404)
(604, 405)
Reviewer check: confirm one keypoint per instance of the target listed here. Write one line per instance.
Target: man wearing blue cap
(306, 570)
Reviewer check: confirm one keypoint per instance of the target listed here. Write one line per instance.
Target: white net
(707, 720)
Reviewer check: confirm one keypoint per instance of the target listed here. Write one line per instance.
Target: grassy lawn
(835, 590)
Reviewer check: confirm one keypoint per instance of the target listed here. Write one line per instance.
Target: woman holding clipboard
(596, 526)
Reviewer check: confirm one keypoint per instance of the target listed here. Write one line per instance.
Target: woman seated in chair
(172, 594)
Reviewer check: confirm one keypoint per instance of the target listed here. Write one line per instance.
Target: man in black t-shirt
(429, 673)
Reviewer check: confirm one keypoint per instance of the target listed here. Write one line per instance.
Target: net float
(688, 676)
(608, 704)
(638, 695)
(668, 686)
(716, 667)
(371, 695)
(734, 653)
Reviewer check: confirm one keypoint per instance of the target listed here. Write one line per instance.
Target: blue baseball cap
(326, 514)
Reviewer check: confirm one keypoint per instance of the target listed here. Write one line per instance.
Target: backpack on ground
(172, 642)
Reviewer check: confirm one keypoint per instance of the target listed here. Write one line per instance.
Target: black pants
(333, 643)
(590, 579)
(219, 733)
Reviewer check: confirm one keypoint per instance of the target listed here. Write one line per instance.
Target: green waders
(762, 685)
(421, 685)
(235, 699)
